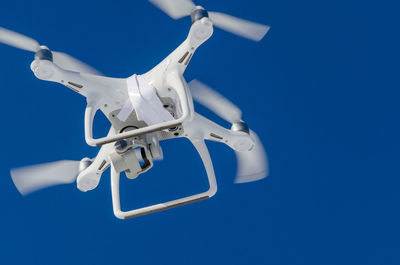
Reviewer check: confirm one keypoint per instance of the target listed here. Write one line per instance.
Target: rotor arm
(205, 156)
(179, 59)
(89, 178)
(88, 85)
(250, 154)
(48, 71)
(203, 128)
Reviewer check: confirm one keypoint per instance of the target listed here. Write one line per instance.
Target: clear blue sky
(321, 90)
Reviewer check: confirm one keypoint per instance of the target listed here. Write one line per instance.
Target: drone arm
(249, 150)
(179, 59)
(205, 156)
(204, 128)
(82, 83)
(90, 177)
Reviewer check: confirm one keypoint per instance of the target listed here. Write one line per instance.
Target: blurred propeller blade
(18, 40)
(253, 164)
(70, 63)
(244, 28)
(215, 101)
(32, 178)
(63, 60)
(238, 26)
(175, 8)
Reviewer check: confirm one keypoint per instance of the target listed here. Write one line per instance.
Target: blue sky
(321, 90)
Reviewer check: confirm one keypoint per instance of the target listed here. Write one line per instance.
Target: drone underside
(145, 110)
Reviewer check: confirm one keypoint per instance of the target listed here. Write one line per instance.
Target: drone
(145, 110)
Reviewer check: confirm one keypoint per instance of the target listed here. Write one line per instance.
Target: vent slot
(216, 136)
(183, 57)
(75, 84)
(102, 165)
(188, 60)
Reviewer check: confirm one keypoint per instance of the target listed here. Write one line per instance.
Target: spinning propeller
(214, 101)
(244, 28)
(36, 177)
(61, 59)
(32, 178)
(253, 164)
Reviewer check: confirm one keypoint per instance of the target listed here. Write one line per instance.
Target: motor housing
(198, 13)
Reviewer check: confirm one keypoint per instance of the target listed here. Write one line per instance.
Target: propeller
(63, 60)
(253, 164)
(70, 63)
(32, 178)
(214, 101)
(181, 8)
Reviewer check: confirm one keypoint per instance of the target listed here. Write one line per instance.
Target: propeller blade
(253, 164)
(70, 63)
(18, 40)
(175, 8)
(215, 101)
(63, 60)
(238, 26)
(32, 178)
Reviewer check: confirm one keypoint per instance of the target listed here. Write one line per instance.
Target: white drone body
(145, 110)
